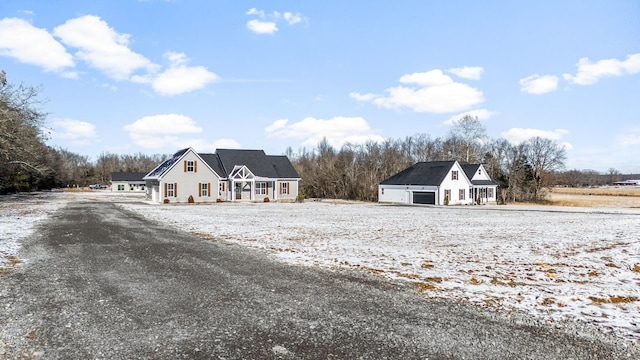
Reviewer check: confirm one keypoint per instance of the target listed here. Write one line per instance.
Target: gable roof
(423, 173)
(471, 169)
(127, 176)
(259, 163)
(225, 160)
(166, 165)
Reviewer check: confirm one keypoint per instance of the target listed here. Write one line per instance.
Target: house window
(479, 171)
(170, 190)
(490, 193)
(204, 189)
(120, 187)
(454, 175)
(191, 166)
(261, 188)
(284, 188)
(471, 194)
(447, 195)
(462, 194)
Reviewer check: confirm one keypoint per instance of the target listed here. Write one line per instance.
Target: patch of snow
(19, 214)
(552, 262)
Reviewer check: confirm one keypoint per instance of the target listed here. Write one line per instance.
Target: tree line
(351, 172)
(27, 163)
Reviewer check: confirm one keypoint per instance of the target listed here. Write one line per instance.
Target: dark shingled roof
(160, 169)
(258, 162)
(127, 176)
(224, 160)
(470, 170)
(214, 163)
(422, 173)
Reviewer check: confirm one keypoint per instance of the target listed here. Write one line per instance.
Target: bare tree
(468, 135)
(545, 156)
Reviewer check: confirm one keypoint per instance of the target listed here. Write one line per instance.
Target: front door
(238, 190)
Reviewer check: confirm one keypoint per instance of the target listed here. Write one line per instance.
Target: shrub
(166, 201)
(266, 199)
(446, 200)
(300, 197)
(190, 199)
(219, 200)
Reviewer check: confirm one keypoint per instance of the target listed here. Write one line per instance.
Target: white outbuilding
(439, 183)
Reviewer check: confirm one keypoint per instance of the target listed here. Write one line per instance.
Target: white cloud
(518, 135)
(536, 84)
(435, 93)
(481, 114)
(226, 144)
(363, 97)
(179, 78)
(262, 27)
(291, 18)
(429, 78)
(164, 124)
(28, 44)
(468, 72)
(102, 47)
(254, 11)
(161, 131)
(590, 73)
(75, 131)
(268, 23)
(338, 131)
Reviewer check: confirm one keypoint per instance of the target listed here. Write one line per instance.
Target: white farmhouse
(226, 175)
(439, 183)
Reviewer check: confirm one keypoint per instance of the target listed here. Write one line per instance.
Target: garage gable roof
(422, 173)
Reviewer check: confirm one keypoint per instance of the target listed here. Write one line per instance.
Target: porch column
(275, 191)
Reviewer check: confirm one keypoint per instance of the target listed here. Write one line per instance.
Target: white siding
(455, 186)
(291, 195)
(188, 182)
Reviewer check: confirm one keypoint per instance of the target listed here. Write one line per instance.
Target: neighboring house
(226, 175)
(439, 183)
(127, 181)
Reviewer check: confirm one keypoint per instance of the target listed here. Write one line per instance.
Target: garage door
(424, 198)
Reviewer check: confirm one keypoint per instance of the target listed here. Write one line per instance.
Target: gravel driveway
(99, 282)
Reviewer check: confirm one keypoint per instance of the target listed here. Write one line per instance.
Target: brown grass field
(608, 196)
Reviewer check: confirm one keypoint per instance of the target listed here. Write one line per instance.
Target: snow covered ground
(554, 263)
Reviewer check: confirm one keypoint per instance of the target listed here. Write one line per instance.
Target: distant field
(610, 196)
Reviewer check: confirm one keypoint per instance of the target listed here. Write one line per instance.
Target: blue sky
(156, 76)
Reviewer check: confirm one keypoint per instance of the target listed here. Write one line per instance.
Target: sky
(157, 76)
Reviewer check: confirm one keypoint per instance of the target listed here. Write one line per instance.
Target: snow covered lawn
(18, 216)
(551, 262)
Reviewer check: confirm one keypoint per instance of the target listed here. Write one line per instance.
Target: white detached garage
(438, 183)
